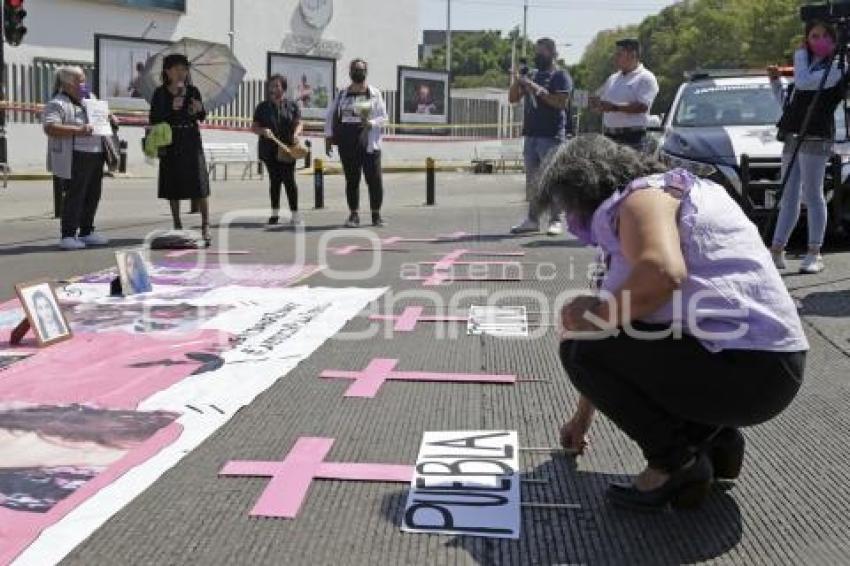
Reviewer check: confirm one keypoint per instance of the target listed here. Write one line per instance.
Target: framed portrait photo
(424, 96)
(43, 312)
(118, 65)
(133, 272)
(311, 81)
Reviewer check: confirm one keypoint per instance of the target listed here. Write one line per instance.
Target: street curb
(336, 170)
(49, 176)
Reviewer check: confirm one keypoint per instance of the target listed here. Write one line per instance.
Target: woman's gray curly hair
(584, 172)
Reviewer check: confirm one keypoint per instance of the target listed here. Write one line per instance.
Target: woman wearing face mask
(182, 167)
(76, 157)
(279, 118)
(353, 124)
(692, 334)
(805, 181)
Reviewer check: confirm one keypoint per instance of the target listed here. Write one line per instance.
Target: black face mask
(542, 61)
(358, 76)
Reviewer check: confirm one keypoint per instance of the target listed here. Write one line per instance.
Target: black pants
(282, 174)
(671, 395)
(355, 160)
(83, 194)
(636, 140)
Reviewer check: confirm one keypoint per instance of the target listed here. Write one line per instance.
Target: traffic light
(13, 21)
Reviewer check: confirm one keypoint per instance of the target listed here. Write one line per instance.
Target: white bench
(230, 154)
(498, 156)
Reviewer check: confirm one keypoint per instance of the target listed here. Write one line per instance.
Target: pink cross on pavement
(369, 381)
(291, 478)
(411, 316)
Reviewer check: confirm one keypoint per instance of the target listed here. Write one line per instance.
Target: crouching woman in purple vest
(691, 334)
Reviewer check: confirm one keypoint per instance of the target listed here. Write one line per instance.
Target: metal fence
(29, 84)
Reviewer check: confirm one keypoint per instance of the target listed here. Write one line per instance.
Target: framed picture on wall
(118, 64)
(311, 80)
(423, 96)
(168, 5)
(45, 316)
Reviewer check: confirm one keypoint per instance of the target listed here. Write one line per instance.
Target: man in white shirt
(626, 97)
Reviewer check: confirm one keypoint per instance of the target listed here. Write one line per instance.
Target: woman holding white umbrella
(182, 168)
(181, 101)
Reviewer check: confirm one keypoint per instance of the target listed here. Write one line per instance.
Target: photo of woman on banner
(49, 452)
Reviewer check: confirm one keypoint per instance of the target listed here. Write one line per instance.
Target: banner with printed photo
(88, 424)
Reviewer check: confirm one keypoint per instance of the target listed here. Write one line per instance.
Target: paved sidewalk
(791, 505)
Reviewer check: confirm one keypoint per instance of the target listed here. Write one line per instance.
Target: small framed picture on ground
(44, 314)
(311, 81)
(424, 97)
(119, 63)
(133, 272)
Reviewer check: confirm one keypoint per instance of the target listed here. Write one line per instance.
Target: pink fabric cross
(380, 370)
(291, 478)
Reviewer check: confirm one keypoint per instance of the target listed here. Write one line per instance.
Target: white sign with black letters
(466, 483)
(497, 321)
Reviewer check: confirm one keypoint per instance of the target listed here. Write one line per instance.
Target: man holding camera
(626, 97)
(546, 93)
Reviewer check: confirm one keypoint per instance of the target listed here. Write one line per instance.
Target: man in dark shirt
(547, 94)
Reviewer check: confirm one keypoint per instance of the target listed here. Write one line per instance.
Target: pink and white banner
(88, 424)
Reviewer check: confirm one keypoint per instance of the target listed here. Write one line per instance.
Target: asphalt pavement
(790, 506)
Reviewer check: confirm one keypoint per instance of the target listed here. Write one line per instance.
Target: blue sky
(568, 21)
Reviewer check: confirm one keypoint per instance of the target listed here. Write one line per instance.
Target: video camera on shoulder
(834, 12)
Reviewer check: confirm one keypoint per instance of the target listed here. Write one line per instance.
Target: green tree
(480, 59)
(700, 34)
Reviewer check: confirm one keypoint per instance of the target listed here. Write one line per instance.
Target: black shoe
(726, 452)
(274, 219)
(686, 488)
(353, 220)
(377, 221)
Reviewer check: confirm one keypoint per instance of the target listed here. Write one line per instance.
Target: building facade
(384, 32)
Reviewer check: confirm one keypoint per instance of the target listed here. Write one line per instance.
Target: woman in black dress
(279, 118)
(182, 167)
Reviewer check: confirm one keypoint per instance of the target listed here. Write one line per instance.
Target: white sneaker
(555, 228)
(94, 239)
(296, 220)
(812, 264)
(779, 260)
(71, 244)
(527, 226)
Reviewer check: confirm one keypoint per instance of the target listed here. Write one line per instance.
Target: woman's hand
(574, 315)
(86, 130)
(773, 72)
(267, 133)
(574, 433)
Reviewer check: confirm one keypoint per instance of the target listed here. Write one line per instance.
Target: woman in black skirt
(182, 167)
(277, 117)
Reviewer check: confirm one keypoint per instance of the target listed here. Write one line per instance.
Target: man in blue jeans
(546, 93)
